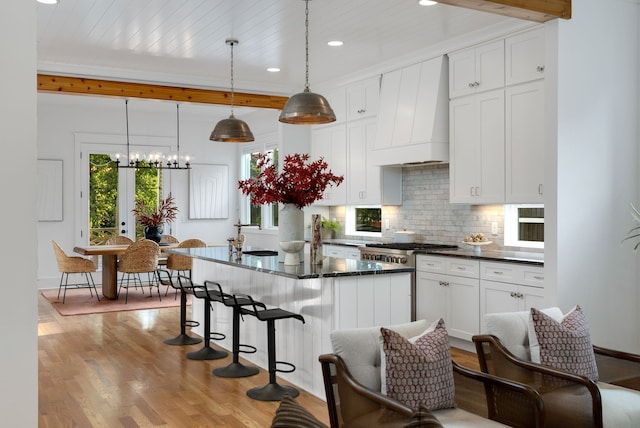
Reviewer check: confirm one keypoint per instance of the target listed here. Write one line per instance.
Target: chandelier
(153, 160)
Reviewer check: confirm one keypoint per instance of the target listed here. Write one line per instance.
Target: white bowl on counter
(292, 252)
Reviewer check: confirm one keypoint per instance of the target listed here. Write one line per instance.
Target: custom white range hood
(413, 117)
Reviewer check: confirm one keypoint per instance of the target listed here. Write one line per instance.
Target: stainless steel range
(400, 253)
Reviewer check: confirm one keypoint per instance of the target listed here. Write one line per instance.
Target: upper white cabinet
(413, 115)
(524, 57)
(362, 99)
(477, 69)
(369, 184)
(477, 149)
(330, 142)
(524, 147)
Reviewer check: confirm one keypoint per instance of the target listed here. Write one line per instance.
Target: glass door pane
(112, 193)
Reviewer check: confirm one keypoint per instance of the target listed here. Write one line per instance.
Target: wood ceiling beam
(530, 10)
(110, 88)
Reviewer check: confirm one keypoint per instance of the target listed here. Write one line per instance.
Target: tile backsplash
(426, 210)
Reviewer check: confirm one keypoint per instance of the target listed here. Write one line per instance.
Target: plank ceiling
(182, 42)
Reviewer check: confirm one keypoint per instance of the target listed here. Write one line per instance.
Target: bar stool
(236, 368)
(207, 296)
(271, 391)
(165, 278)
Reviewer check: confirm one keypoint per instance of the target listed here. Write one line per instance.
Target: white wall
(596, 164)
(61, 117)
(18, 175)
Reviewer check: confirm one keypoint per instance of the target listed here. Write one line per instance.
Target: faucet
(235, 244)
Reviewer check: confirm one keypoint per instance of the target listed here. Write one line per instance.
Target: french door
(107, 193)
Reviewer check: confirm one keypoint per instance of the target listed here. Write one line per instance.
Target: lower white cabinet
(448, 288)
(340, 251)
(510, 287)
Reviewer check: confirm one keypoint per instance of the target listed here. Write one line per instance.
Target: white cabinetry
(329, 142)
(341, 251)
(476, 69)
(496, 140)
(510, 287)
(368, 184)
(362, 99)
(413, 115)
(448, 288)
(525, 143)
(524, 57)
(372, 300)
(477, 173)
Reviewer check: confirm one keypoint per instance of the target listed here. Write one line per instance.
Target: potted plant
(329, 228)
(153, 218)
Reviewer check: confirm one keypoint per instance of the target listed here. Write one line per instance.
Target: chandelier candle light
(301, 183)
(153, 160)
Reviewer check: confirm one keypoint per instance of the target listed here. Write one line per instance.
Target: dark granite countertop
(491, 255)
(330, 267)
(346, 242)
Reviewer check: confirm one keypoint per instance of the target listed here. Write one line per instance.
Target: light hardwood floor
(113, 370)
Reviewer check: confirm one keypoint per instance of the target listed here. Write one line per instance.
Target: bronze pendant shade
(307, 108)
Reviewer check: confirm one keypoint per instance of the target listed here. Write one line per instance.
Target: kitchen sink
(261, 253)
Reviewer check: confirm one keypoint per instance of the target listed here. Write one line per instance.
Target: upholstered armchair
(608, 398)
(353, 381)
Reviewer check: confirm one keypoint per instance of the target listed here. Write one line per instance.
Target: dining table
(109, 255)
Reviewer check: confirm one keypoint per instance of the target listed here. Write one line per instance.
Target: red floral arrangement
(166, 212)
(300, 183)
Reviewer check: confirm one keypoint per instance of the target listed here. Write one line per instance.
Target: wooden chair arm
(618, 367)
(512, 403)
(341, 375)
(494, 358)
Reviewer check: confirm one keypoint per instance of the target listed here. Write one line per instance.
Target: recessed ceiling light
(48, 1)
(273, 69)
(427, 2)
(335, 43)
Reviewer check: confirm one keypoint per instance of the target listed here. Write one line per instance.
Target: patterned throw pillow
(290, 414)
(565, 345)
(420, 373)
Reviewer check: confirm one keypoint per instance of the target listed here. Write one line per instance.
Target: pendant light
(232, 130)
(307, 108)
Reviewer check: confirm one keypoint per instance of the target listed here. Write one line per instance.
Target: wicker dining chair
(74, 264)
(119, 240)
(182, 264)
(140, 257)
(169, 239)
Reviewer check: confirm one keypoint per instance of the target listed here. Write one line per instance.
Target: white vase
(290, 227)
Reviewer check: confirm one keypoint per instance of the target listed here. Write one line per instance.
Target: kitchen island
(338, 294)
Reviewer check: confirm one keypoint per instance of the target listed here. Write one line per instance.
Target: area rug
(80, 302)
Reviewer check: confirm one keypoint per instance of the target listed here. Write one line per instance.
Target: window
(363, 221)
(524, 226)
(264, 215)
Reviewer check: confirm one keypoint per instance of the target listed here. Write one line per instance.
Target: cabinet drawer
(533, 276)
(430, 264)
(462, 267)
(513, 273)
(502, 272)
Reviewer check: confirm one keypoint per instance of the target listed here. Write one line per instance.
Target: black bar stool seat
(207, 296)
(164, 276)
(271, 391)
(236, 368)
